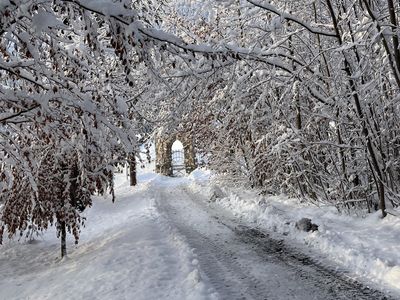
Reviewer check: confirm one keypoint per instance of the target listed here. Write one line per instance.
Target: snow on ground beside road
(368, 247)
(127, 251)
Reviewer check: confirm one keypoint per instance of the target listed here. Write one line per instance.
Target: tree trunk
(132, 170)
(63, 239)
(382, 205)
(395, 38)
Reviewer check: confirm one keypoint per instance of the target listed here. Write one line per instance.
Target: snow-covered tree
(66, 119)
(308, 105)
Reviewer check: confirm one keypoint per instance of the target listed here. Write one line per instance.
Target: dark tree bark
(132, 170)
(395, 38)
(63, 230)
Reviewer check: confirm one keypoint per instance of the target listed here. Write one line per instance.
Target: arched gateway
(164, 153)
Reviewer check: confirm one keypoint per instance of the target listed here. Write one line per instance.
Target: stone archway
(164, 153)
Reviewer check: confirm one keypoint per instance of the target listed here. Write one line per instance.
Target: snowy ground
(165, 239)
(126, 251)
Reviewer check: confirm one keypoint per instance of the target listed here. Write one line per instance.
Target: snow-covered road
(240, 262)
(164, 239)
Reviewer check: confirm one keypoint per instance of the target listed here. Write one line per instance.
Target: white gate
(178, 163)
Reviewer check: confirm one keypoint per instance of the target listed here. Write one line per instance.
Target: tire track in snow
(218, 264)
(339, 286)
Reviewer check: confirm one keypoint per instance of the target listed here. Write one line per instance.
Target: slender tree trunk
(132, 170)
(395, 38)
(240, 23)
(63, 230)
(296, 85)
